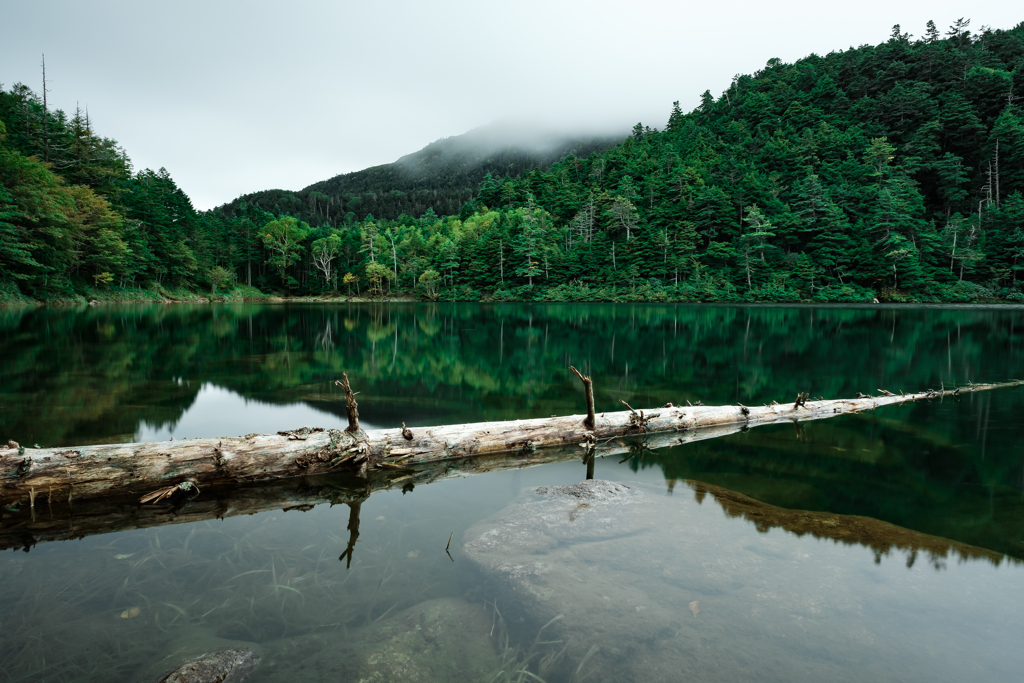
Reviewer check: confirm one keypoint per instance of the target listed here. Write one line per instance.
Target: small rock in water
(223, 666)
(695, 607)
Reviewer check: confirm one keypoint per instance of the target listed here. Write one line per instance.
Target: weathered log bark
(67, 474)
(57, 519)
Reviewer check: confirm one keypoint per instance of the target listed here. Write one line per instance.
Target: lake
(883, 545)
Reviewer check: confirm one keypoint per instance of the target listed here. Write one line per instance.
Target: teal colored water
(116, 606)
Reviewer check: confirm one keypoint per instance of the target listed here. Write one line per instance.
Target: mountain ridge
(443, 175)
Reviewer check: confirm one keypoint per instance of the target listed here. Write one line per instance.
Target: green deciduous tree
(219, 276)
(376, 275)
(283, 239)
(429, 280)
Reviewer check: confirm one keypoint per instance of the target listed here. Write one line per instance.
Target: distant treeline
(893, 171)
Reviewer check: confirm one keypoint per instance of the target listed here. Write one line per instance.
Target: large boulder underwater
(625, 583)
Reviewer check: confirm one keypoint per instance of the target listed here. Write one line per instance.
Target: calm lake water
(698, 584)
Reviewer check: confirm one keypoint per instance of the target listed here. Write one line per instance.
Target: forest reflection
(99, 374)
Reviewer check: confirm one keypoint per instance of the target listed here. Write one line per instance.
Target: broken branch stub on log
(351, 407)
(588, 391)
(141, 468)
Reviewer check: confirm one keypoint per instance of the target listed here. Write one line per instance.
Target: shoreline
(997, 303)
(676, 294)
(406, 298)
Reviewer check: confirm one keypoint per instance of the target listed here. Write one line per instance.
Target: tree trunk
(69, 474)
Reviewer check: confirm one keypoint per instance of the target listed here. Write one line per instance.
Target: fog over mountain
(442, 176)
(529, 137)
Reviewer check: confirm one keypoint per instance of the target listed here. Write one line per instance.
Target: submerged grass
(517, 665)
(106, 608)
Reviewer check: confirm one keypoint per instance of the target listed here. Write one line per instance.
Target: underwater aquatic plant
(515, 663)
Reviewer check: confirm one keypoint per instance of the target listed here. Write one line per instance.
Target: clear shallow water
(404, 610)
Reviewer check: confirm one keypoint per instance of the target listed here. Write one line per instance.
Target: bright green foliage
(351, 280)
(218, 277)
(429, 280)
(376, 275)
(283, 238)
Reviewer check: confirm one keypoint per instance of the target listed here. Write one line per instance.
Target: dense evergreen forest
(76, 219)
(893, 172)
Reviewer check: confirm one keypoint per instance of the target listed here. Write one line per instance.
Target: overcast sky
(233, 97)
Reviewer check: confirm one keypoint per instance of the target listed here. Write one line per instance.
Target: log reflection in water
(353, 532)
(63, 521)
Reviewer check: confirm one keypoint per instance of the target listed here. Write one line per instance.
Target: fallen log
(189, 466)
(59, 520)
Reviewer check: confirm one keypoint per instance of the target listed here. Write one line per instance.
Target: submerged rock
(201, 645)
(639, 586)
(437, 641)
(223, 666)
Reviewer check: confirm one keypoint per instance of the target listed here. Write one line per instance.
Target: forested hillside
(893, 171)
(75, 219)
(442, 176)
